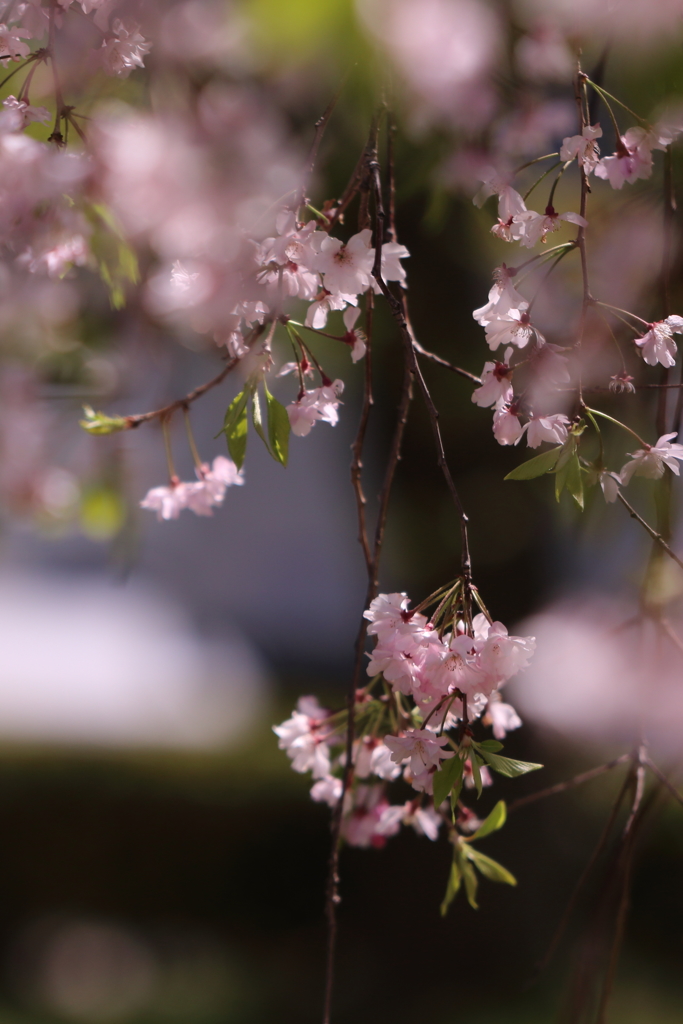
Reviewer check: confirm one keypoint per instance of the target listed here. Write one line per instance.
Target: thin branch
(663, 779)
(357, 446)
(561, 787)
(181, 403)
(657, 537)
(444, 362)
(320, 126)
(585, 874)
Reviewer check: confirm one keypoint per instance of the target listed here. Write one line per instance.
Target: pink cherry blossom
(167, 502)
(11, 44)
(631, 160)
(303, 738)
(533, 227)
(507, 427)
(583, 147)
(658, 345)
(511, 208)
(547, 428)
(327, 790)
(355, 338)
(346, 268)
(319, 404)
(512, 328)
(503, 296)
(325, 303)
(360, 825)
(503, 717)
(496, 383)
(651, 462)
(124, 51)
(421, 748)
(425, 820)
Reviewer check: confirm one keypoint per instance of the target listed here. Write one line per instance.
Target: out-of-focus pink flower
(544, 55)
(123, 51)
(503, 717)
(507, 427)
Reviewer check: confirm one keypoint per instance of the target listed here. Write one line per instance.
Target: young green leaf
(234, 411)
(492, 823)
(453, 887)
(508, 766)
(489, 867)
(258, 419)
(493, 745)
(471, 881)
(476, 774)
(278, 428)
(100, 423)
(445, 779)
(574, 480)
(540, 464)
(236, 428)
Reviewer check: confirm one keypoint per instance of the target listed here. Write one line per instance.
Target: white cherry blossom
(651, 462)
(503, 296)
(496, 383)
(583, 147)
(512, 328)
(507, 427)
(658, 345)
(346, 268)
(124, 51)
(533, 227)
(547, 428)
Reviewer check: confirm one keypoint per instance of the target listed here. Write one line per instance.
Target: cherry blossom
(319, 404)
(496, 383)
(124, 51)
(324, 304)
(327, 790)
(346, 268)
(421, 748)
(507, 427)
(546, 428)
(167, 502)
(209, 492)
(503, 296)
(511, 208)
(631, 160)
(303, 737)
(503, 717)
(355, 338)
(533, 227)
(583, 148)
(609, 483)
(425, 820)
(18, 114)
(651, 462)
(11, 44)
(512, 328)
(658, 345)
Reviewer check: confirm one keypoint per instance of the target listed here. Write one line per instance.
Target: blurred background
(159, 860)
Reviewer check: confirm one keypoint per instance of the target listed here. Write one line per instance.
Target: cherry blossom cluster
(436, 683)
(200, 496)
(530, 381)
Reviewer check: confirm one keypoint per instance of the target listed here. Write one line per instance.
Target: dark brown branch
(663, 779)
(561, 787)
(444, 362)
(181, 403)
(657, 537)
(320, 126)
(585, 874)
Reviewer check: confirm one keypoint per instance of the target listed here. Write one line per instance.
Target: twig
(320, 126)
(657, 537)
(583, 878)
(181, 403)
(663, 779)
(560, 787)
(444, 362)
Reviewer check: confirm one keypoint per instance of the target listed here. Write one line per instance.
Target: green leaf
(453, 887)
(116, 262)
(489, 867)
(471, 881)
(258, 419)
(493, 745)
(574, 480)
(278, 427)
(540, 464)
(100, 423)
(476, 774)
(492, 823)
(445, 779)
(235, 428)
(508, 766)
